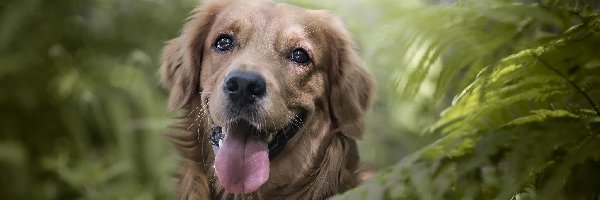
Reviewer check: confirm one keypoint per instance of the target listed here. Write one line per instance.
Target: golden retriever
(274, 97)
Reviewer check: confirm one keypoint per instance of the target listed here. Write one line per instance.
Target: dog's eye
(300, 56)
(224, 43)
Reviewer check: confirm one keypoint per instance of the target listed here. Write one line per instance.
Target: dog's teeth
(270, 138)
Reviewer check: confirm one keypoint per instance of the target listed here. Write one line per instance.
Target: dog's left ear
(351, 86)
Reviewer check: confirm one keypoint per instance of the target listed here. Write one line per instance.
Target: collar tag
(216, 138)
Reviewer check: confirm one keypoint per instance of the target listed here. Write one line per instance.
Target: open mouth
(243, 152)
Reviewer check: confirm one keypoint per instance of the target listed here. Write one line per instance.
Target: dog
(274, 97)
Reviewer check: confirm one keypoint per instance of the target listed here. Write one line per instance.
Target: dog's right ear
(182, 57)
(178, 74)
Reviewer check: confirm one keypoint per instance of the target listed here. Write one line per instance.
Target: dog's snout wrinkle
(244, 87)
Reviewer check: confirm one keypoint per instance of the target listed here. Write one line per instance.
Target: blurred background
(82, 113)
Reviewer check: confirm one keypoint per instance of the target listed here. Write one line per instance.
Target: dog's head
(262, 72)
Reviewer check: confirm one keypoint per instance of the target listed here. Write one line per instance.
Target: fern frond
(524, 127)
(461, 39)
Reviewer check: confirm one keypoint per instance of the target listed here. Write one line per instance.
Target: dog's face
(261, 65)
(264, 71)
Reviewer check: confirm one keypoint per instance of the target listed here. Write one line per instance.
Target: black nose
(243, 87)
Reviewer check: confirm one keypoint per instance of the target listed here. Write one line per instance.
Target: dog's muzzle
(281, 138)
(243, 152)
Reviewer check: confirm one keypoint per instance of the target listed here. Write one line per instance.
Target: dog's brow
(229, 20)
(233, 25)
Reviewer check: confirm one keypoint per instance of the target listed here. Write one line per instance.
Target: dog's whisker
(193, 122)
(193, 111)
(312, 23)
(316, 30)
(198, 130)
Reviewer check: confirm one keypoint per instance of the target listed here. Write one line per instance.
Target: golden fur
(321, 160)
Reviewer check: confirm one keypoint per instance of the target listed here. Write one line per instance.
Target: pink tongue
(242, 163)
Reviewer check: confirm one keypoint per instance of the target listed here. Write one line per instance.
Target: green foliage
(82, 112)
(526, 126)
